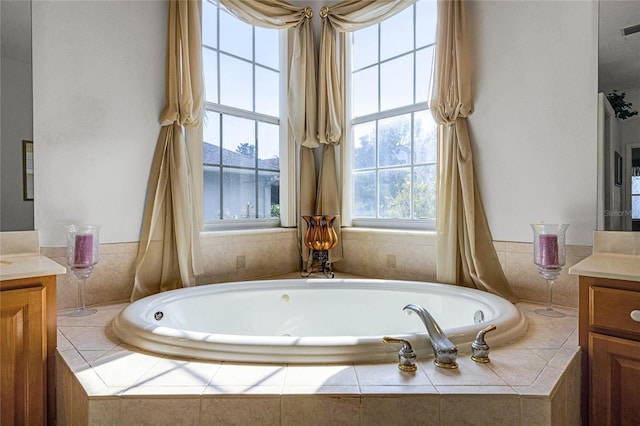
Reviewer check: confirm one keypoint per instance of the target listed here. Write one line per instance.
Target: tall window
(241, 147)
(394, 140)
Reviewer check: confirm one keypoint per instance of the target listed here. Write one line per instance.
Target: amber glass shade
(320, 234)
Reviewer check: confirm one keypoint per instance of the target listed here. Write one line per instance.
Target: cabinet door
(22, 357)
(615, 380)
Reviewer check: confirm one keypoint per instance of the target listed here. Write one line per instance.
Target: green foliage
(621, 107)
(395, 197)
(275, 210)
(247, 149)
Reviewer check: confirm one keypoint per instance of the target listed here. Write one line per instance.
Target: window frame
(286, 155)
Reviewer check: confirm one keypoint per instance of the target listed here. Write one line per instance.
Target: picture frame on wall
(618, 169)
(27, 170)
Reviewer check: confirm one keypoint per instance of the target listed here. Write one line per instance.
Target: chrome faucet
(445, 352)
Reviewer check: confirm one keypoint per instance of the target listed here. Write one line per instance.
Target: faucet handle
(479, 348)
(406, 355)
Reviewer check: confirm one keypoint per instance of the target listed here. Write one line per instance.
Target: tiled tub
(534, 381)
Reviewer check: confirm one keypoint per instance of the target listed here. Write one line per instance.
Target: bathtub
(311, 320)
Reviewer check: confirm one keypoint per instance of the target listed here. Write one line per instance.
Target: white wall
(535, 120)
(98, 74)
(15, 213)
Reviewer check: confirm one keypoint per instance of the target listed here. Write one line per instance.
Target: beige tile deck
(116, 383)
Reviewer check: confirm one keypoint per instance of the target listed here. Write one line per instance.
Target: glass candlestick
(549, 255)
(82, 256)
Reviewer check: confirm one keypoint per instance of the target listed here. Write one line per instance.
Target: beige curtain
(346, 16)
(169, 251)
(465, 252)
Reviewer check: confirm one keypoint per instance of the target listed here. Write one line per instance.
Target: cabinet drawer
(611, 308)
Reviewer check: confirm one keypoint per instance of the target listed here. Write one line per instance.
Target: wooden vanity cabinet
(610, 341)
(27, 351)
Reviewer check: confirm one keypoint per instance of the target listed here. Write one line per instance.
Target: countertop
(609, 265)
(13, 267)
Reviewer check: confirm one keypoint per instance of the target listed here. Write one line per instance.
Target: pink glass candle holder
(549, 255)
(82, 256)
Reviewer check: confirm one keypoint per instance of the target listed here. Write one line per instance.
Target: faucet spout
(444, 351)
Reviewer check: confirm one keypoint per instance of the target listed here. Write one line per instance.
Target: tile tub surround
(411, 255)
(534, 381)
(113, 277)
(399, 255)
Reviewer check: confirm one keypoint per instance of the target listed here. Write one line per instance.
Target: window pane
(267, 92)
(425, 139)
(364, 194)
(268, 146)
(426, 18)
(364, 146)
(365, 92)
(635, 199)
(424, 60)
(211, 135)
(238, 141)
(365, 47)
(267, 47)
(238, 194)
(235, 36)
(396, 83)
(395, 193)
(424, 192)
(211, 200)
(635, 185)
(396, 34)
(268, 194)
(209, 24)
(236, 83)
(210, 64)
(394, 141)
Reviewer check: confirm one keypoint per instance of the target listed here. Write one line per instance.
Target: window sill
(382, 231)
(232, 232)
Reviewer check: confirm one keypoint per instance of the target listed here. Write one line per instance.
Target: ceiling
(619, 56)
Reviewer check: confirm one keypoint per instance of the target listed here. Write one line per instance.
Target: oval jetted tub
(311, 320)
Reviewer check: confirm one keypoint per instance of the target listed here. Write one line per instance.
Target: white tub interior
(311, 320)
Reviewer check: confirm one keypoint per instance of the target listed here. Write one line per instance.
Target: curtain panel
(169, 251)
(465, 252)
